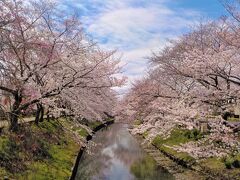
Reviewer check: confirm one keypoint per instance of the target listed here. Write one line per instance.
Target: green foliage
(82, 132)
(180, 156)
(145, 134)
(137, 122)
(221, 166)
(232, 161)
(232, 119)
(94, 124)
(158, 141)
(228, 163)
(57, 167)
(74, 127)
(50, 126)
(193, 134)
(43, 152)
(109, 119)
(213, 163)
(9, 154)
(178, 136)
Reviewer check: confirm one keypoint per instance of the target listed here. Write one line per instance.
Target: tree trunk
(13, 121)
(48, 117)
(228, 85)
(37, 115)
(42, 113)
(15, 112)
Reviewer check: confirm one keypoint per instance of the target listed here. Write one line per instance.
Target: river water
(114, 154)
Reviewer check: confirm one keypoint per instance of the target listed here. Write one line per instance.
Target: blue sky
(136, 28)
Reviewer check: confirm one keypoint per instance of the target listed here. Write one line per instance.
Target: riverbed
(114, 154)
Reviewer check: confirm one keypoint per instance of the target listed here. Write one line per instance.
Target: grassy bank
(178, 171)
(177, 137)
(47, 151)
(227, 167)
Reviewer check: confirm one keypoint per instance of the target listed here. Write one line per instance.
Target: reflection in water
(118, 156)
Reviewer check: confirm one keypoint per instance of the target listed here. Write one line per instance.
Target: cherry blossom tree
(44, 56)
(195, 77)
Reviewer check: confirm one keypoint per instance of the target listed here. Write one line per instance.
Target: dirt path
(5, 123)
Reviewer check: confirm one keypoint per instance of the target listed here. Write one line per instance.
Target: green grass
(177, 137)
(74, 127)
(213, 164)
(220, 167)
(137, 122)
(182, 156)
(211, 116)
(94, 124)
(42, 152)
(109, 119)
(232, 161)
(3, 141)
(232, 119)
(145, 134)
(10, 156)
(82, 132)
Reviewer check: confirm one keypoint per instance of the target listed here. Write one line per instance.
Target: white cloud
(134, 27)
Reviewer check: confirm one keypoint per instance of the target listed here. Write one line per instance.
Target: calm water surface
(116, 155)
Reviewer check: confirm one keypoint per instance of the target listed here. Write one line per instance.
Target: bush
(228, 164)
(232, 162)
(40, 150)
(193, 134)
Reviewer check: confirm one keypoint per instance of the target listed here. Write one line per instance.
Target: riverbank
(176, 169)
(47, 151)
(83, 148)
(37, 152)
(184, 166)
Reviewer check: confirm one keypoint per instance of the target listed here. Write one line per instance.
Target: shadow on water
(116, 155)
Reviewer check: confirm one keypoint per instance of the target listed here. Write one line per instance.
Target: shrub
(232, 162)
(236, 163)
(228, 164)
(40, 150)
(193, 134)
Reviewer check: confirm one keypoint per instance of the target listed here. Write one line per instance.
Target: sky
(136, 28)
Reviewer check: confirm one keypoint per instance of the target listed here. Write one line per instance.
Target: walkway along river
(114, 154)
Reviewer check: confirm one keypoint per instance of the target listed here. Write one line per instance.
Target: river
(114, 154)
